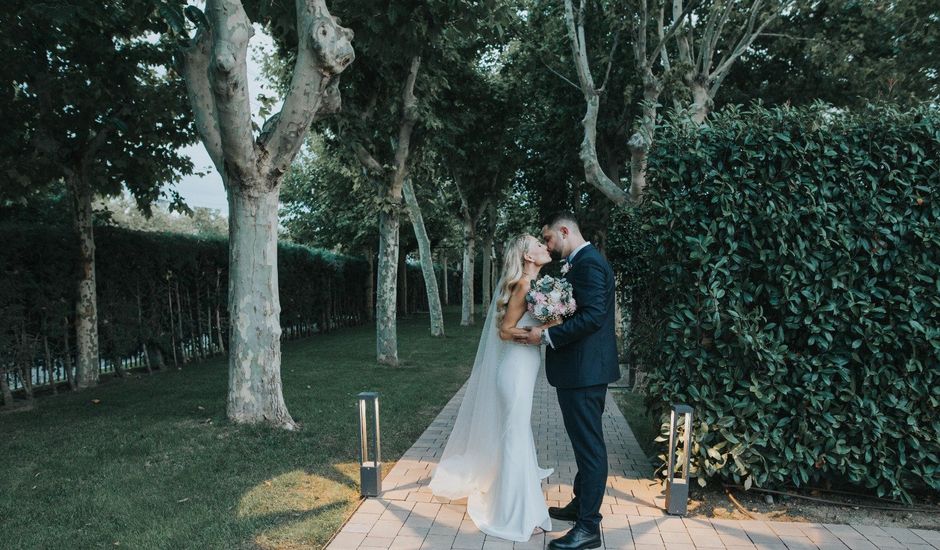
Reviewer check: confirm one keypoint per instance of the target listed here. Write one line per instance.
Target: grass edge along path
(155, 464)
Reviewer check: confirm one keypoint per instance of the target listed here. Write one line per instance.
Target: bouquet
(550, 299)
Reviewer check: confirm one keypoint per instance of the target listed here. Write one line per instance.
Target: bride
(490, 454)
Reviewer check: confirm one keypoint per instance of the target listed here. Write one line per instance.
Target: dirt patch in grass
(709, 502)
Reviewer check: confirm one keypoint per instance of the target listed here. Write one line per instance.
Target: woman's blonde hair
(513, 271)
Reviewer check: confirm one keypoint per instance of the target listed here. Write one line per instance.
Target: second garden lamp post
(677, 489)
(370, 472)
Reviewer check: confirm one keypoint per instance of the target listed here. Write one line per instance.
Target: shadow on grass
(155, 464)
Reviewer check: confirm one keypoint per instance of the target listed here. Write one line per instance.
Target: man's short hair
(562, 216)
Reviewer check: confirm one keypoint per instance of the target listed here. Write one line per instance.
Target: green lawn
(156, 465)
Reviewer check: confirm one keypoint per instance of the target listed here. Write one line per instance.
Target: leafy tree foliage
(845, 53)
(89, 106)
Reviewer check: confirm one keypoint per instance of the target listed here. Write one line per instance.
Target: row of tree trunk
(175, 325)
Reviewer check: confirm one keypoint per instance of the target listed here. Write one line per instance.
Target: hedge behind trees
(785, 278)
(166, 292)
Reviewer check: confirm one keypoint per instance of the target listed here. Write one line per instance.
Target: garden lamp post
(370, 471)
(677, 489)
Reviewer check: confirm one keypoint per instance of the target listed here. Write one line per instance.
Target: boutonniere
(565, 267)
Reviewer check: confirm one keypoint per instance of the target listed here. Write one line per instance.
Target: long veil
(467, 465)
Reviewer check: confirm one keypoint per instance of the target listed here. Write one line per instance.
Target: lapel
(580, 255)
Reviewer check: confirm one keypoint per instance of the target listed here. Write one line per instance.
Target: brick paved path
(408, 517)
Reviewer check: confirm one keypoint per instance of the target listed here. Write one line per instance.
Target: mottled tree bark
(642, 139)
(390, 223)
(404, 306)
(50, 366)
(215, 69)
(469, 253)
(5, 389)
(444, 277)
(67, 353)
(86, 307)
(427, 261)
(487, 270)
(255, 309)
(220, 338)
(469, 258)
(387, 288)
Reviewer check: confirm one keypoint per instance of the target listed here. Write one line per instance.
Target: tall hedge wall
(168, 292)
(784, 274)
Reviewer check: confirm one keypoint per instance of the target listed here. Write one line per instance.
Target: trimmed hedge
(784, 277)
(167, 291)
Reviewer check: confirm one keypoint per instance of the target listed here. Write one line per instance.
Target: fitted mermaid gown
(490, 456)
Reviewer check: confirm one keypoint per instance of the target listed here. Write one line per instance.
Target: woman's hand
(512, 334)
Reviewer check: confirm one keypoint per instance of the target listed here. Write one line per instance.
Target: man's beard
(556, 255)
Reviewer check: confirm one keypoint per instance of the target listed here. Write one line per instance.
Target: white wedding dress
(490, 455)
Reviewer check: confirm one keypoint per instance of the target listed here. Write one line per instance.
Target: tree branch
(324, 51)
(789, 36)
(578, 48)
(560, 75)
(464, 206)
(682, 39)
(94, 146)
(706, 64)
(610, 62)
(228, 76)
(367, 160)
(745, 41)
(588, 154)
(639, 36)
(482, 209)
(409, 118)
(660, 31)
(196, 75)
(676, 24)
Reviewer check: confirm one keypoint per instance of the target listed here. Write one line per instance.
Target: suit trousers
(583, 410)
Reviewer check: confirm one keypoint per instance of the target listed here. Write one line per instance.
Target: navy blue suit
(580, 363)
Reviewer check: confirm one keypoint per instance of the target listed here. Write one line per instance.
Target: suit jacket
(585, 345)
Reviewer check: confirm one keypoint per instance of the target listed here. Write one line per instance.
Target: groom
(580, 360)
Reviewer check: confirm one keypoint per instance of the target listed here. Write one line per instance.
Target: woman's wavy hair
(513, 264)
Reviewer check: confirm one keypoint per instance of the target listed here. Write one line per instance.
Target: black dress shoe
(566, 513)
(576, 539)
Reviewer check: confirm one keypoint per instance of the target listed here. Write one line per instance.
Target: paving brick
(676, 537)
(903, 535)
(406, 543)
(376, 542)
(383, 528)
(469, 541)
(797, 542)
(346, 541)
(869, 530)
(438, 542)
(884, 542)
(493, 543)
